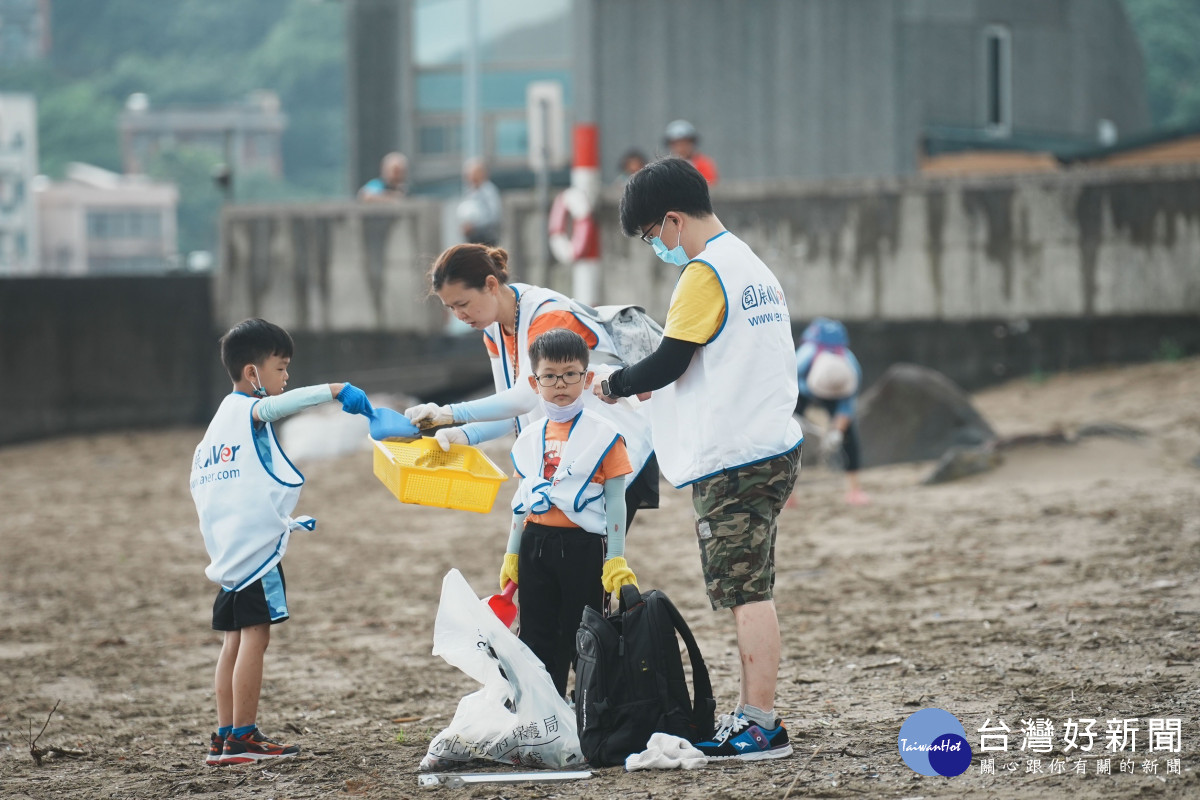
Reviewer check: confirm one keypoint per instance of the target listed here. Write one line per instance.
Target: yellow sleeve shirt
(697, 309)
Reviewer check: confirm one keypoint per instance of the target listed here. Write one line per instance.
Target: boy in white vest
(245, 489)
(724, 383)
(566, 546)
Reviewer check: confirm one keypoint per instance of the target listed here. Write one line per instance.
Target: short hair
(669, 184)
(253, 341)
(559, 345)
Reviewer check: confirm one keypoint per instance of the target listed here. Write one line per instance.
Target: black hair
(559, 345)
(470, 265)
(669, 184)
(253, 341)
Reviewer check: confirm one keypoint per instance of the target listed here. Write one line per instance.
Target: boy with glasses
(724, 383)
(566, 546)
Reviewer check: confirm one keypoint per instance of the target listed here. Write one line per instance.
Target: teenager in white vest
(566, 546)
(724, 388)
(471, 280)
(245, 489)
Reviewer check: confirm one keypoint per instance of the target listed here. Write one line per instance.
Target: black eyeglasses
(569, 378)
(646, 237)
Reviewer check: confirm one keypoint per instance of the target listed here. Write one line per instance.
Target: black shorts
(264, 601)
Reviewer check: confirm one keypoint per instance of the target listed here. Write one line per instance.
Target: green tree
(1169, 32)
(191, 170)
(77, 123)
(303, 58)
(194, 53)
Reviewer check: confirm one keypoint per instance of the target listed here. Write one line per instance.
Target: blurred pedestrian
(830, 376)
(392, 183)
(631, 161)
(681, 138)
(479, 212)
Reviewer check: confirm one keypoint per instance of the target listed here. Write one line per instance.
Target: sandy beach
(1060, 586)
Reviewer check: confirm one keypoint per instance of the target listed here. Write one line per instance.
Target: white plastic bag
(517, 717)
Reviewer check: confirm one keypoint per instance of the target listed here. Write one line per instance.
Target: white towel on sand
(665, 751)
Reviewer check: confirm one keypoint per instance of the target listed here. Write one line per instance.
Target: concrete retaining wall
(84, 354)
(980, 279)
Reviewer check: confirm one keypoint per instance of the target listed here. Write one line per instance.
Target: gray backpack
(634, 333)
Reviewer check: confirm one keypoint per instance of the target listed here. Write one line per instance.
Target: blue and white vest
(571, 489)
(244, 506)
(733, 405)
(628, 415)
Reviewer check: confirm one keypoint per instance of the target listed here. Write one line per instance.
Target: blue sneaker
(738, 738)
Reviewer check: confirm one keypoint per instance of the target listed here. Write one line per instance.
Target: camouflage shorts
(736, 515)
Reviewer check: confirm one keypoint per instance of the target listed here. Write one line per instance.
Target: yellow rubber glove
(508, 572)
(616, 574)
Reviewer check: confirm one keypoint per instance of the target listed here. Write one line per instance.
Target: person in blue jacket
(830, 376)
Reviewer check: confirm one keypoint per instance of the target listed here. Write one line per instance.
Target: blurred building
(249, 135)
(18, 166)
(24, 31)
(97, 222)
(776, 88)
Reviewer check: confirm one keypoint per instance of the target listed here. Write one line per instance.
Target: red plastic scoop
(503, 606)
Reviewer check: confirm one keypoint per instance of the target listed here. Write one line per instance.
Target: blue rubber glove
(354, 400)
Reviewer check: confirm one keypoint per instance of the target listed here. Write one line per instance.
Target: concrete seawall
(982, 279)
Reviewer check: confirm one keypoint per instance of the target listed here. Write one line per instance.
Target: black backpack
(629, 680)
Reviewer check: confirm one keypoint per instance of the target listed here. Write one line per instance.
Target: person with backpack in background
(724, 390)
(830, 376)
(472, 282)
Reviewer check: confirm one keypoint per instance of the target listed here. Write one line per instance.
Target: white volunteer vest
(629, 417)
(733, 405)
(244, 508)
(571, 489)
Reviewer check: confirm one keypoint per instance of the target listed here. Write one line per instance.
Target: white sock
(763, 719)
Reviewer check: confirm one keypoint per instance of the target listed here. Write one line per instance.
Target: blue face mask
(674, 255)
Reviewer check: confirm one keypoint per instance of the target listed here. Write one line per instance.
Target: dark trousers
(559, 572)
(849, 440)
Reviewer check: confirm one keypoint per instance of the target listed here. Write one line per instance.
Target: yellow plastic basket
(419, 471)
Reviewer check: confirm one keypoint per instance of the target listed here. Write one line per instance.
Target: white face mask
(565, 413)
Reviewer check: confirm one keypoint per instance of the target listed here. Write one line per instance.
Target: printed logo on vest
(218, 454)
(754, 296)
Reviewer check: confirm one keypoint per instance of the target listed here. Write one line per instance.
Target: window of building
(510, 137)
(125, 224)
(126, 265)
(499, 90)
(997, 75)
(439, 138)
(532, 30)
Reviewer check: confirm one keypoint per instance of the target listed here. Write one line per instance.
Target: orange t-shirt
(705, 166)
(546, 321)
(615, 464)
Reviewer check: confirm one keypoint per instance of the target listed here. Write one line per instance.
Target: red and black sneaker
(216, 746)
(254, 747)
